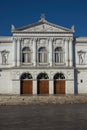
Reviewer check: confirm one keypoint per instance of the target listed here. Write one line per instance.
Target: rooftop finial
(73, 28)
(12, 27)
(43, 17)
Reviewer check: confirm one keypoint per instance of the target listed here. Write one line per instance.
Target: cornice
(18, 32)
(5, 39)
(81, 40)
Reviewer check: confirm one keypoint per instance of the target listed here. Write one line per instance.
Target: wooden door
(59, 87)
(26, 87)
(43, 87)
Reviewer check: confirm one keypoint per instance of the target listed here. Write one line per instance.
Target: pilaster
(14, 51)
(66, 52)
(18, 51)
(71, 52)
(34, 87)
(51, 87)
(50, 51)
(34, 52)
(34, 84)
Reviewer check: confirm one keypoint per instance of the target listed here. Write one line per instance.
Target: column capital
(66, 39)
(71, 39)
(14, 39)
(50, 39)
(34, 39)
(18, 39)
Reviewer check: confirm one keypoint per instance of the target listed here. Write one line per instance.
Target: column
(50, 51)
(18, 52)
(66, 52)
(51, 87)
(14, 52)
(34, 52)
(34, 87)
(34, 83)
(70, 52)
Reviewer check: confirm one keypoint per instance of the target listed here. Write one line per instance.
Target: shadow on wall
(75, 70)
(76, 81)
(74, 58)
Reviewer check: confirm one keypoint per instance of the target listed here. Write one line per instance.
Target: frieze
(42, 43)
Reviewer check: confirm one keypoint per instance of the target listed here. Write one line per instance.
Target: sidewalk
(25, 100)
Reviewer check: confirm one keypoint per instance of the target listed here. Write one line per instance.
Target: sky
(61, 12)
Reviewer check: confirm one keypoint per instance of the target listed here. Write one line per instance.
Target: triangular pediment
(42, 26)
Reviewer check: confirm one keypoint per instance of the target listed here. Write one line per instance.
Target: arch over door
(26, 83)
(59, 84)
(43, 84)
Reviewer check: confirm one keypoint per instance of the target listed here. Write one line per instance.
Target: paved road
(44, 117)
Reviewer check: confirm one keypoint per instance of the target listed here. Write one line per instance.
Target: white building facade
(43, 58)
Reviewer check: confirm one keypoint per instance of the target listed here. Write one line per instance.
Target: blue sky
(62, 12)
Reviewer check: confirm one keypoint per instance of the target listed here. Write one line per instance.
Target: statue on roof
(73, 28)
(12, 27)
(43, 17)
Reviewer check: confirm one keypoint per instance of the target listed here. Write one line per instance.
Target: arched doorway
(59, 83)
(26, 83)
(42, 84)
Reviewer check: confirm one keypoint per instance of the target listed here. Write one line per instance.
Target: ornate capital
(66, 39)
(18, 39)
(14, 39)
(50, 39)
(71, 39)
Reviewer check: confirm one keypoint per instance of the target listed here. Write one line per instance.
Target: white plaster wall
(5, 82)
(70, 87)
(16, 87)
(82, 86)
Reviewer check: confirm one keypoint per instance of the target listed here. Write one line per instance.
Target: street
(44, 117)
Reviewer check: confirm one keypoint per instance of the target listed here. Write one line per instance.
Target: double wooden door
(26, 87)
(59, 86)
(43, 87)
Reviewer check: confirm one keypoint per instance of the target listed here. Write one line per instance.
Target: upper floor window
(58, 55)
(42, 55)
(26, 55)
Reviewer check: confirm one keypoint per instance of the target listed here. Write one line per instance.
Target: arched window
(58, 55)
(26, 76)
(26, 55)
(59, 76)
(42, 55)
(42, 76)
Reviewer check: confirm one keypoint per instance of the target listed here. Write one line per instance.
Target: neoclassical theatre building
(43, 58)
